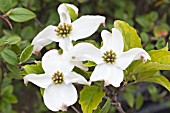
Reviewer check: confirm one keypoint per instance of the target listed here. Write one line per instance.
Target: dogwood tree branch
(115, 102)
(118, 107)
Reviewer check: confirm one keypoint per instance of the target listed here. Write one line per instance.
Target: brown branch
(116, 103)
(118, 107)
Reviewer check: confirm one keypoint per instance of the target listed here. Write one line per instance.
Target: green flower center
(109, 57)
(57, 78)
(63, 30)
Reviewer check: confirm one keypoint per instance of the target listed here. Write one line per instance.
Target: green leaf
(153, 16)
(145, 75)
(106, 107)
(7, 90)
(143, 21)
(53, 18)
(28, 32)
(160, 60)
(82, 1)
(5, 37)
(97, 110)
(166, 47)
(96, 44)
(5, 5)
(14, 39)
(14, 3)
(154, 76)
(10, 98)
(147, 20)
(89, 64)
(34, 68)
(23, 72)
(26, 53)
(139, 101)
(159, 80)
(152, 90)
(144, 37)
(7, 107)
(5, 82)
(12, 68)
(14, 75)
(161, 30)
(90, 97)
(129, 97)
(1, 74)
(16, 48)
(131, 38)
(149, 46)
(14, 72)
(160, 43)
(92, 42)
(130, 88)
(2, 41)
(82, 72)
(24, 44)
(42, 91)
(151, 66)
(10, 57)
(72, 13)
(160, 56)
(112, 109)
(1, 105)
(21, 15)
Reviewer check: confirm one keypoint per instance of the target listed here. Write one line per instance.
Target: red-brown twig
(9, 23)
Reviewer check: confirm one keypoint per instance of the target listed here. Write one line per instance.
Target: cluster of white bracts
(58, 95)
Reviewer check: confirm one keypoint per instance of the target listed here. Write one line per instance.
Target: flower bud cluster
(109, 57)
(57, 77)
(63, 30)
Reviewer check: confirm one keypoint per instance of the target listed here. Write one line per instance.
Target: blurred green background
(151, 19)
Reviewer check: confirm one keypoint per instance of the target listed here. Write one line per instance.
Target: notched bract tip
(103, 24)
(26, 82)
(64, 107)
(37, 53)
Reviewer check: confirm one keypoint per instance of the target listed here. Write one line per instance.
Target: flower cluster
(57, 80)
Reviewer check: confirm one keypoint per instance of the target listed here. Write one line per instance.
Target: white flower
(66, 31)
(110, 58)
(57, 80)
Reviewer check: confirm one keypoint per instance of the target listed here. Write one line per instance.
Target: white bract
(57, 80)
(110, 58)
(66, 31)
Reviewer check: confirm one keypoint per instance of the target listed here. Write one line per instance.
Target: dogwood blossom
(66, 31)
(110, 58)
(57, 80)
